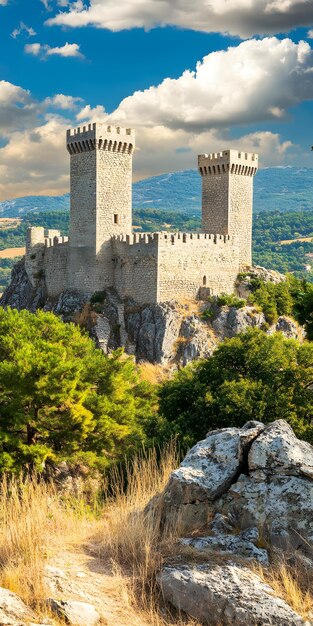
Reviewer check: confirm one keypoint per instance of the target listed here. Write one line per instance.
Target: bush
(230, 300)
(250, 377)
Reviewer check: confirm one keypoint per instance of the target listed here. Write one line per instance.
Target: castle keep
(102, 251)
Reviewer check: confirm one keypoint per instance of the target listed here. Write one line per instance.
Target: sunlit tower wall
(227, 197)
(101, 201)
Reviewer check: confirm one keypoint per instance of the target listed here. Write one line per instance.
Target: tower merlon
(233, 161)
(100, 136)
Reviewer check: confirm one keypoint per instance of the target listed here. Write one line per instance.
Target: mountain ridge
(274, 189)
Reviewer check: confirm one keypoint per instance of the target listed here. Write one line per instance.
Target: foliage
(250, 377)
(59, 395)
(274, 299)
(230, 300)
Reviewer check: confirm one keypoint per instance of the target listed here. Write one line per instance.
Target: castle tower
(227, 196)
(101, 201)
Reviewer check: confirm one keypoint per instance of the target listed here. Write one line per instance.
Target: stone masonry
(102, 252)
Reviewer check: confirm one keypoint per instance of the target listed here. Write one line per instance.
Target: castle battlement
(100, 136)
(229, 161)
(172, 238)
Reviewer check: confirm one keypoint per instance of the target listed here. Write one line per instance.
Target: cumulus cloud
(43, 51)
(60, 101)
(257, 80)
(242, 18)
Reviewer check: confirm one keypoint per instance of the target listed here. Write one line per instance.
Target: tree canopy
(61, 397)
(253, 376)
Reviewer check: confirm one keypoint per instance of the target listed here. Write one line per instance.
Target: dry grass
(189, 306)
(155, 374)
(291, 583)
(134, 537)
(34, 523)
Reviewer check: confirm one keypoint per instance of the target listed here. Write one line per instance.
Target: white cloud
(3, 2)
(33, 48)
(60, 101)
(23, 28)
(310, 34)
(89, 113)
(255, 81)
(44, 51)
(237, 17)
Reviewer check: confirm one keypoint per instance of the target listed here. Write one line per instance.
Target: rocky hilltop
(167, 333)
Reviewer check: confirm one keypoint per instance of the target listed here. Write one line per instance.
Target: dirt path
(81, 575)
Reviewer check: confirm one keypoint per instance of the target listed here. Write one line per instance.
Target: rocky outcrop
(21, 294)
(167, 333)
(154, 330)
(230, 321)
(256, 476)
(225, 594)
(239, 495)
(207, 472)
(243, 287)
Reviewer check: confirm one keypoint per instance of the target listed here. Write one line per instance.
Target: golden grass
(134, 537)
(291, 583)
(189, 306)
(154, 374)
(34, 523)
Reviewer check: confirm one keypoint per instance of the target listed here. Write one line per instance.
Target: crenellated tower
(101, 201)
(227, 197)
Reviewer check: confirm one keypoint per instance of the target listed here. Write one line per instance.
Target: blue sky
(133, 62)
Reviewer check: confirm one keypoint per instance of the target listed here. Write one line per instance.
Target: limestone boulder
(277, 451)
(75, 613)
(207, 472)
(225, 593)
(227, 545)
(13, 611)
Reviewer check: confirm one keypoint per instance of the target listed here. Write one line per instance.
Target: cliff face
(171, 332)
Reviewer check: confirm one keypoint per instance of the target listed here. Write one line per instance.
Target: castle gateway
(102, 251)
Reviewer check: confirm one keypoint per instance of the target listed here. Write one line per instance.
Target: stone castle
(103, 252)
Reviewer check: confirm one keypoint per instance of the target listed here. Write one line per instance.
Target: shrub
(250, 377)
(230, 300)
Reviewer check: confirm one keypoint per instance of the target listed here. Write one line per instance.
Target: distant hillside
(276, 188)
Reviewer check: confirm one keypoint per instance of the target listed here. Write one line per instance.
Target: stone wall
(55, 266)
(188, 262)
(136, 267)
